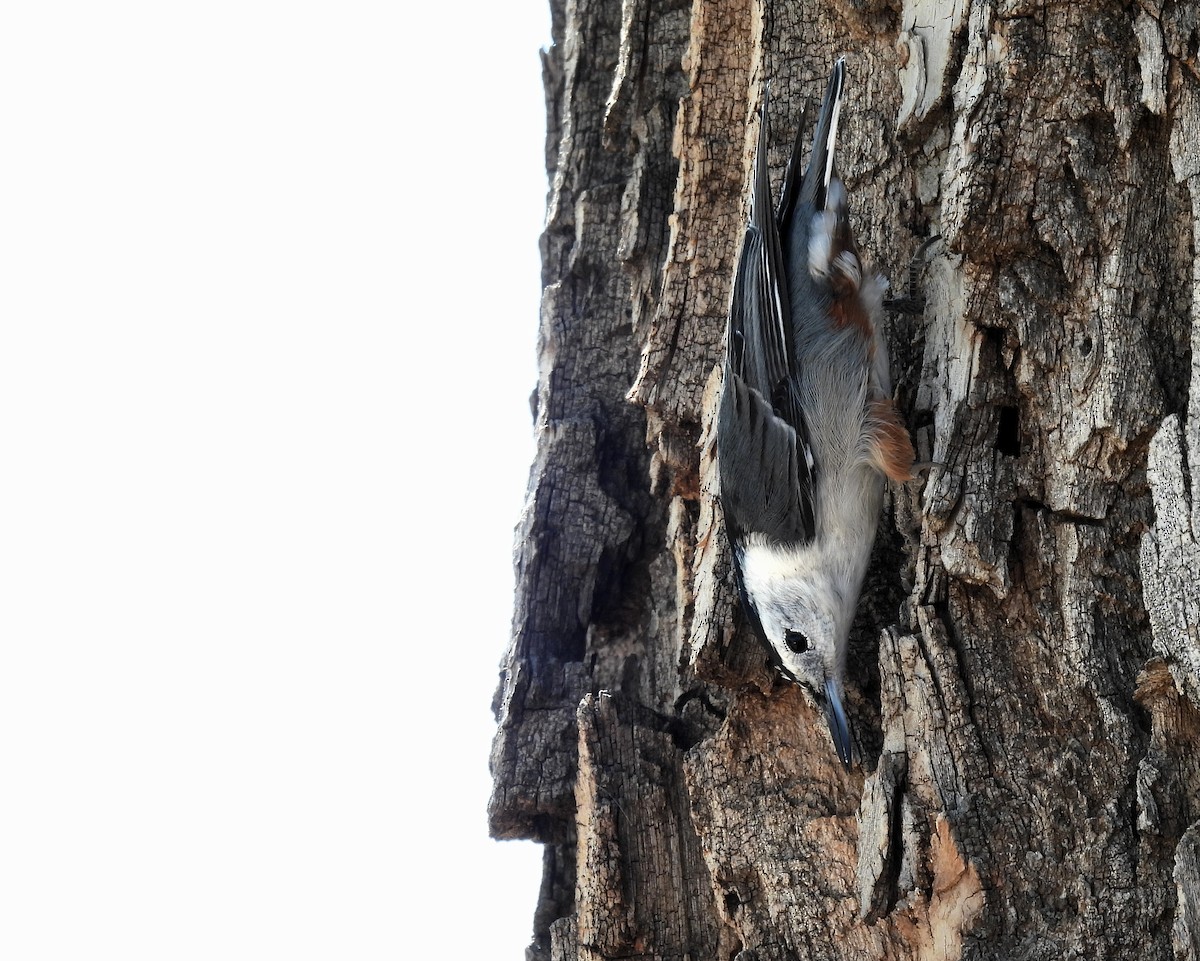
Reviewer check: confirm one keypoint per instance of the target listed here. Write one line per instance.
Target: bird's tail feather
(819, 172)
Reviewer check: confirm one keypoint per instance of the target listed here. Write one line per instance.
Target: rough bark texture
(1025, 670)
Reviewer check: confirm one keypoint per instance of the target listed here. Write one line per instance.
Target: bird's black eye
(797, 643)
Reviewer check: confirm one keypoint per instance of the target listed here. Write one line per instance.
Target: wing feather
(765, 462)
(765, 478)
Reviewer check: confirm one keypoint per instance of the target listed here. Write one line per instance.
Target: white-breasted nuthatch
(806, 430)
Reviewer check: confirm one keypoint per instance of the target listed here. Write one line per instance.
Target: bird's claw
(913, 301)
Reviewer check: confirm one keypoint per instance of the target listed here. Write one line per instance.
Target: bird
(806, 431)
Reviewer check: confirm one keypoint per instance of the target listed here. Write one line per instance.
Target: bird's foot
(913, 300)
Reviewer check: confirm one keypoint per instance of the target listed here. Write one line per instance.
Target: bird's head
(805, 623)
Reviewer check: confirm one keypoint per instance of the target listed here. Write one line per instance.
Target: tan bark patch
(957, 898)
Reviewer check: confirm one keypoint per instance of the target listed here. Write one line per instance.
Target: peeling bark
(1024, 675)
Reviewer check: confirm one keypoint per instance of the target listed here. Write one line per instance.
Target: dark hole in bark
(1008, 432)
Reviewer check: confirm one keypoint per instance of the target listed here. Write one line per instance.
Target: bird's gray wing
(760, 333)
(766, 477)
(762, 442)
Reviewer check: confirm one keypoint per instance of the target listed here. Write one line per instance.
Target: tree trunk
(1024, 675)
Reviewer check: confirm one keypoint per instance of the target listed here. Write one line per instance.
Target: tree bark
(1024, 677)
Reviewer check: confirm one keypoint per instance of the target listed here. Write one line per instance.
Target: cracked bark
(1025, 669)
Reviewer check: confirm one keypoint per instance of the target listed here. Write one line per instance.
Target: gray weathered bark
(1025, 672)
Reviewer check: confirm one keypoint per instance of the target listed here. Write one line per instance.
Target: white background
(268, 302)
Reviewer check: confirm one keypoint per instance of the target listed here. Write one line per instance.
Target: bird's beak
(839, 728)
